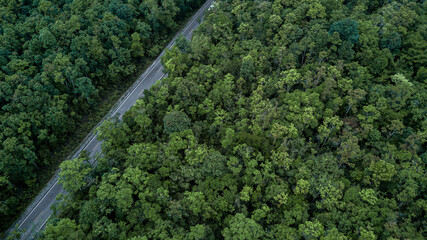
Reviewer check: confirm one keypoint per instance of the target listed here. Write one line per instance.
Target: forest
(58, 60)
(280, 119)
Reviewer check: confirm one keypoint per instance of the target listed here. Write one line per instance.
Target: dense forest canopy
(280, 119)
(57, 60)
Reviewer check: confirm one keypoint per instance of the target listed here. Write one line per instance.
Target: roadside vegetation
(63, 64)
(279, 120)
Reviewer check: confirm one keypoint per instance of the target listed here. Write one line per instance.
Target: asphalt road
(35, 217)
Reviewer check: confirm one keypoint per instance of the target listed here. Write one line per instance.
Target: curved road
(35, 217)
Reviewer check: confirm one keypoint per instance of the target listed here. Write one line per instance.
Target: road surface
(35, 217)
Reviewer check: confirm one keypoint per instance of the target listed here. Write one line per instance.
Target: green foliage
(260, 143)
(391, 41)
(85, 88)
(311, 230)
(176, 121)
(368, 195)
(47, 38)
(183, 44)
(74, 172)
(199, 232)
(59, 60)
(347, 29)
(63, 229)
(247, 70)
(366, 234)
(242, 228)
(268, 127)
(288, 79)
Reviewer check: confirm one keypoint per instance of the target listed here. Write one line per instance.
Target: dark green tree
(347, 28)
(176, 121)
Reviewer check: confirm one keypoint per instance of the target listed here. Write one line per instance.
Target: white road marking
(93, 138)
(38, 216)
(144, 89)
(93, 153)
(43, 223)
(38, 204)
(155, 63)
